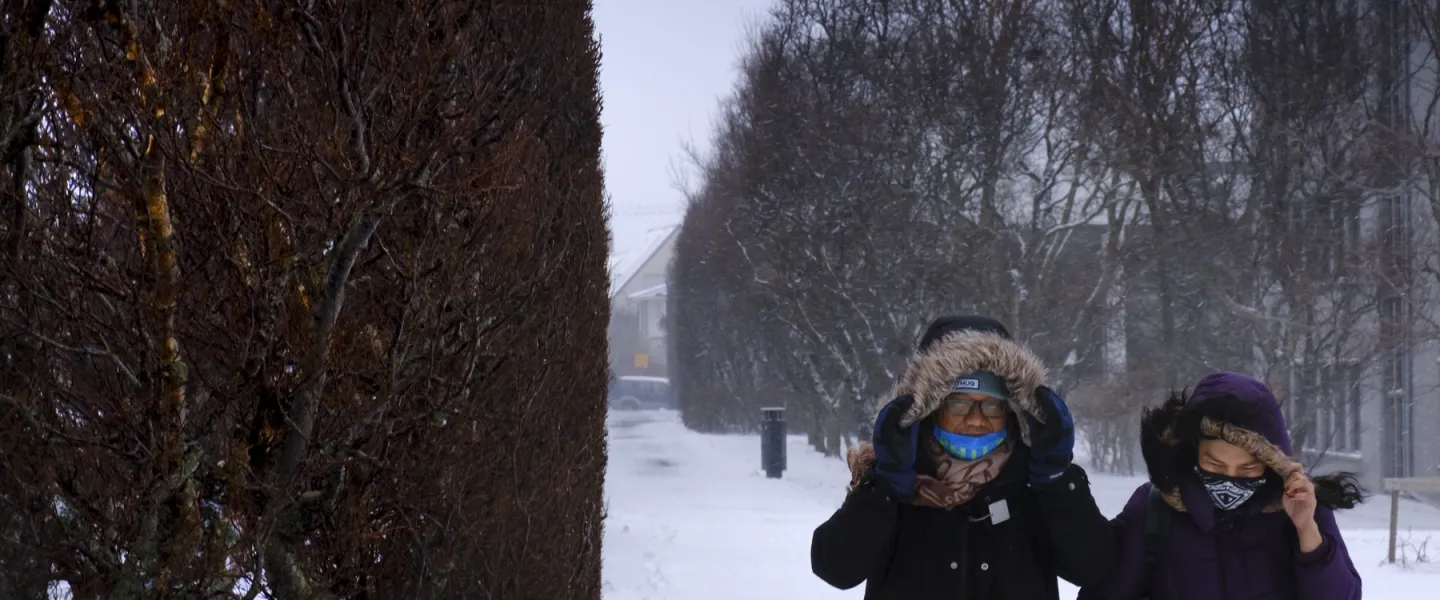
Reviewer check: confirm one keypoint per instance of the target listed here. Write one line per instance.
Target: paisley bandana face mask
(1228, 492)
(968, 447)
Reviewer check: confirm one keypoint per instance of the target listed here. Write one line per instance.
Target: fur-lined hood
(932, 372)
(1238, 409)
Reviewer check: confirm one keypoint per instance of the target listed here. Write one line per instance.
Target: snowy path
(692, 517)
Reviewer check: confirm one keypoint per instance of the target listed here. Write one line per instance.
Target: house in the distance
(637, 304)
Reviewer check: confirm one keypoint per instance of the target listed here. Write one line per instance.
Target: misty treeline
(301, 298)
(1142, 191)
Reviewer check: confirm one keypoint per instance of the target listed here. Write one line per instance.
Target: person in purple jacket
(1241, 518)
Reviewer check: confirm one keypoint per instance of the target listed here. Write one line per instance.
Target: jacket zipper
(965, 582)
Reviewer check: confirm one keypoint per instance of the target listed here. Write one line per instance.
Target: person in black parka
(967, 491)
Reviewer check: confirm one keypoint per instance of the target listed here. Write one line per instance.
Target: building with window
(637, 304)
(1400, 409)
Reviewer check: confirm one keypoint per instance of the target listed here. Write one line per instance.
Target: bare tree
(286, 290)
(1146, 192)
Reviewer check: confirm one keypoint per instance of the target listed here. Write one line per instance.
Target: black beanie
(949, 324)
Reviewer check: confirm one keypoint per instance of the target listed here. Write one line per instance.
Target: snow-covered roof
(643, 378)
(630, 251)
(654, 292)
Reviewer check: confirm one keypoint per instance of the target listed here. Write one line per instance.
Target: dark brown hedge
(313, 289)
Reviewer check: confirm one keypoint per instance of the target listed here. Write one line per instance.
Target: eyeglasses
(961, 406)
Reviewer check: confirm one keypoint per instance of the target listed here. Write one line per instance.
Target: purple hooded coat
(1250, 553)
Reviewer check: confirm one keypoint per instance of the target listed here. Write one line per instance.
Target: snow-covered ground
(692, 517)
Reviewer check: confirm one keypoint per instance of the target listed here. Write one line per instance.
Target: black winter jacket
(908, 552)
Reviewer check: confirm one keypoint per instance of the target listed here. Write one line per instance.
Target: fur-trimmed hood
(1231, 406)
(1236, 408)
(932, 371)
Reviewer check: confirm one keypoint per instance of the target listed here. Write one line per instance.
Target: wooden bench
(1422, 485)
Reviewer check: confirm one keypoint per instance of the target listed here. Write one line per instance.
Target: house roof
(625, 264)
(654, 292)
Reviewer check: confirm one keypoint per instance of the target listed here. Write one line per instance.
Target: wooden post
(1395, 485)
(1394, 516)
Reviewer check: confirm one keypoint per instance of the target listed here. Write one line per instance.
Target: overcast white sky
(665, 65)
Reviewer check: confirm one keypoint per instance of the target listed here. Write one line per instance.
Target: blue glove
(1052, 444)
(895, 449)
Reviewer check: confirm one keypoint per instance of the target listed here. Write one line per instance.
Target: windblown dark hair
(1338, 490)
(1170, 435)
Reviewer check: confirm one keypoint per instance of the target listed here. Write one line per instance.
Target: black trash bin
(772, 442)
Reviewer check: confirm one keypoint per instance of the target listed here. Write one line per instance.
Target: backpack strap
(1157, 526)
